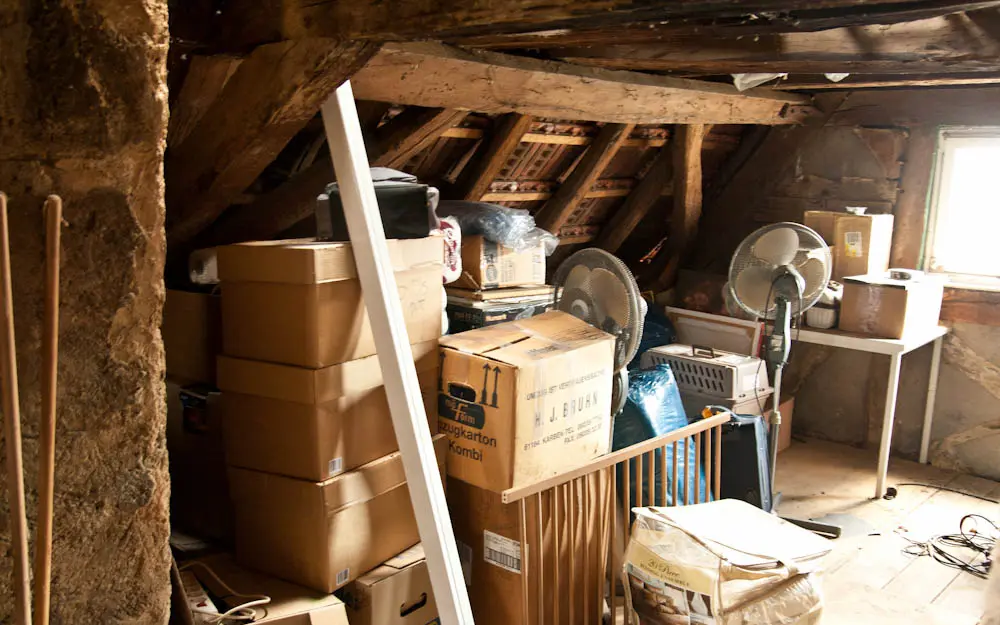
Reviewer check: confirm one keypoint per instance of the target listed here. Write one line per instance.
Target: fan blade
(777, 247)
(577, 303)
(813, 270)
(612, 294)
(578, 278)
(752, 287)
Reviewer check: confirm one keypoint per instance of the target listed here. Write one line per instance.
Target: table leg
(887, 422)
(925, 433)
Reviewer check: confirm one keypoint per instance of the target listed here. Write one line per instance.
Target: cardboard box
(525, 400)
(199, 489)
(299, 302)
(290, 604)
(325, 534)
(823, 223)
(192, 335)
(314, 423)
(489, 543)
(466, 314)
(862, 243)
(891, 309)
(396, 593)
(489, 265)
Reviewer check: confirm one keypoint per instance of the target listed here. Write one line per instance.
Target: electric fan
(779, 272)
(596, 287)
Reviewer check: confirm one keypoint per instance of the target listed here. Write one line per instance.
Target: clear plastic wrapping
(510, 227)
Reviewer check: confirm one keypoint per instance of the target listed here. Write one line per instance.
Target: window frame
(940, 184)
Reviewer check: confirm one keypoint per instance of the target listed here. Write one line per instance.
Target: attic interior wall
(840, 394)
(83, 110)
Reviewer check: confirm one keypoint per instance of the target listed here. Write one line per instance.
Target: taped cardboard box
(823, 223)
(199, 489)
(525, 400)
(862, 244)
(192, 335)
(289, 605)
(325, 534)
(314, 423)
(396, 593)
(489, 265)
(299, 302)
(489, 538)
(881, 306)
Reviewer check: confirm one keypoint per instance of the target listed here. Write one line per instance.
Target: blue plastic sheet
(653, 409)
(657, 330)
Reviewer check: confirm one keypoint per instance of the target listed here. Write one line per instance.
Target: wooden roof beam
(687, 199)
(430, 74)
(638, 203)
(474, 181)
(557, 211)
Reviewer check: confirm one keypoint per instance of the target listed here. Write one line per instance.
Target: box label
(459, 411)
(335, 466)
(853, 248)
(502, 552)
(343, 577)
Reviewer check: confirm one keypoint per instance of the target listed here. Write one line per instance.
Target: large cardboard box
(862, 244)
(883, 307)
(325, 534)
(192, 335)
(314, 423)
(199, 490)
(299, 302)
(525, 400)
(489, 542)
(289, 605)
(396, 593)
(464, 314)
(823, 223)
(489, 265)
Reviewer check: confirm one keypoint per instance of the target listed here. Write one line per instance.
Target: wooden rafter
(393, 144)
(206, 77)
(911, 214)
(430, 74)
(413, 134)
(638, 203)
(884, 81)
(946, 44)
(271, 96)
(687, 198)
(485, 166)
(961, 106)
(558, 210)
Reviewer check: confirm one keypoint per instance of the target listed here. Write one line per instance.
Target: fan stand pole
(773, 430)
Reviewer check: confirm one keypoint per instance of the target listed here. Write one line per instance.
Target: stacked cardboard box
(522, 402)
(318, 487)
(497, 284)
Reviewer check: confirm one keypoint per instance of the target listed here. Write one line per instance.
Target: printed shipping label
(853, 247)
(335, 466)
(343, 577)
(502, 552)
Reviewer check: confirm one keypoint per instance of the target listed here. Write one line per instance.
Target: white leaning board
(378, 285)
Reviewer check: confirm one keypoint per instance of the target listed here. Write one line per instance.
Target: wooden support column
(911, 208)
(557, 210)
(399, 139)
(687, 197)
(474, 181)
(418, 129)
(639, 201)
(270, 97)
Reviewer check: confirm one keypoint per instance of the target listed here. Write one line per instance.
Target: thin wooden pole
(708, 465)
(385, 312)
(638, 481)
(650, 478)
(626, 499)
(585, 513)
(675, 477)
(525, 582)
(663, 475)
(687, 471)
(12, 432)
(697, 467)
(47, 429)
(718, 460)
(613, 543)
(555, 497)
(608, 505)
(540, 520)
(571, 516)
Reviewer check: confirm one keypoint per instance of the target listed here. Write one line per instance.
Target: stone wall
(83, 114)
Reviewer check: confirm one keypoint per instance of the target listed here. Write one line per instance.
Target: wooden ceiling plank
(474, 181)
(205, 79)
(557, 210)
(437, 75)
(396, 143)
(882, 81)
(638, 203)
(687, 198)
(272, 95)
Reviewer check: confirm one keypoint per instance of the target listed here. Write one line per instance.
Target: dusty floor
(868, 578)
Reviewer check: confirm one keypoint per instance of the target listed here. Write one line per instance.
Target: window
(963, 238)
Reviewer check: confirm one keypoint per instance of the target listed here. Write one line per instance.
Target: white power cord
(243, 613)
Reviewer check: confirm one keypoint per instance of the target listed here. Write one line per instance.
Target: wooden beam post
(385, 312)
(557, 210)
(270, 97)
(687, 198)
(911, 208)
(205, 80)
(416, 131)
(639, 201)
(474, 181)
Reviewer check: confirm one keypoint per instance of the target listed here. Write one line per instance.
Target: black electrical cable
(969, 537)
(950, 490)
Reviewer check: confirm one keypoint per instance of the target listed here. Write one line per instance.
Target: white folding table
(895, 349)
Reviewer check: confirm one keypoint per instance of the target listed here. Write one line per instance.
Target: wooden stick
(47, 428)
(12, 432)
